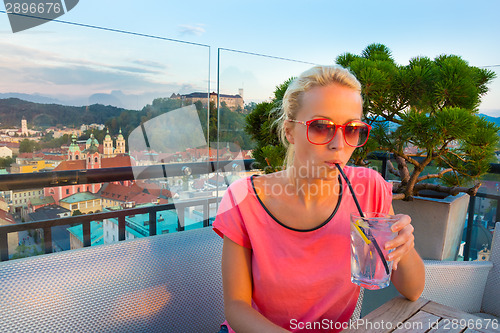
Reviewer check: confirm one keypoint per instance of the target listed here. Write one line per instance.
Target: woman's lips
(331, 164)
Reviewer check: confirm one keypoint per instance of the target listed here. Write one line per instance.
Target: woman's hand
(403, 243)
(408, 274)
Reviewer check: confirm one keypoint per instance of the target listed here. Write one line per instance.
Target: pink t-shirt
(301, 278)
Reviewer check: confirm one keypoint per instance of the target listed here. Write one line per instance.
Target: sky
(231, 45)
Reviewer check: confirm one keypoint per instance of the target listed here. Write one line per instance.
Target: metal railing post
(384, 166)
(4, 247)
(86, 234)
(121, 228)
(180, 218)
(206, 213)
(47, 239)
(470, 222)
(152, 223)
(497, 219)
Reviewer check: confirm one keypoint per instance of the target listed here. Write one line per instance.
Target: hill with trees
(38, 115)
(12, 110)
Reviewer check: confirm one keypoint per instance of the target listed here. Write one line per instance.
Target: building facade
(86, 203)
(5, 152)
(233, 102)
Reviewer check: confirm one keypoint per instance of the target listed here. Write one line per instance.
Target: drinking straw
(379, 251)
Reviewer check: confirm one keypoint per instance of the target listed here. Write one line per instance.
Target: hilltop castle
(233, 102)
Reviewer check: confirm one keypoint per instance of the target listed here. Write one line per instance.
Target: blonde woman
(286, 254)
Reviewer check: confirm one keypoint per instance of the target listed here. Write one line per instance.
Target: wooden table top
(402, 315)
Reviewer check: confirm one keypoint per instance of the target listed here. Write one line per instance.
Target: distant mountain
(12, 110)
(31, 98)
(115, 98)
(495, 120)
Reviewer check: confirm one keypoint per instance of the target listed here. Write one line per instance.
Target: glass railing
(155, 139)
(167, 137)
(126, 97)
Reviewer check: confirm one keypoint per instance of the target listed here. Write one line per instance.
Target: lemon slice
(361, 233)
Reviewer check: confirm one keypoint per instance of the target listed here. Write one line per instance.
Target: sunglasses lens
(356, 133)
(321, 131)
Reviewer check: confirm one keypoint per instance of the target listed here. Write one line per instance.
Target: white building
(5, 152)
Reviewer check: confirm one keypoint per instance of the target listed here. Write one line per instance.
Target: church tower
(91, 141)
(24, 127)
(108, 145)
(120, 144)
(92, 156)
(74, 152)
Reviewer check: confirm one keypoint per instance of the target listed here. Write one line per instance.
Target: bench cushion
(166, 283)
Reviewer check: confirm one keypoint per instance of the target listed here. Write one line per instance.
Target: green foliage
(23, 251)
(5, 162)
(249, 107)
(76, 212)
(28, 146)
(269, 152)
(12, 111)
(48, 141)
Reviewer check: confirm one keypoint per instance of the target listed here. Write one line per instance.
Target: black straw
(379, 251)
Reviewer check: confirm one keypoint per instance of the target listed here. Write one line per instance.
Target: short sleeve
(386, 194)
(229, 221)
(371, 188)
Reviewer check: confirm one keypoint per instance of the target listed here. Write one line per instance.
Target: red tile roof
(142, 198)
(55, 157)
(7, 217)
(9, 144)
(119, 192)
(115, 162)
(25, 155)
(71, 165)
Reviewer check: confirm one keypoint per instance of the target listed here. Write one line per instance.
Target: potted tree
(425, 115)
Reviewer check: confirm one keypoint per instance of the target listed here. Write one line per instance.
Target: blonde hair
(318, 76)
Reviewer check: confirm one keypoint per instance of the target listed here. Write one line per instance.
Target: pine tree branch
(398, 196)
(437, 175)
(450, 190)
(407, 158)
(404, 174)
(457, 156)
(392, 169)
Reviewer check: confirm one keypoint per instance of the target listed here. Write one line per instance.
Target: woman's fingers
(403, 242)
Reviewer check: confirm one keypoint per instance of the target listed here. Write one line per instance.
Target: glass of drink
(369, 269)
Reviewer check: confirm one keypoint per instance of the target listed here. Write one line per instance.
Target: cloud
(149, 63)
(132, 69)
(24, 69)
(186, 29)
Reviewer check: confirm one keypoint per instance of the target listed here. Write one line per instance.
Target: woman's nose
(338, 140)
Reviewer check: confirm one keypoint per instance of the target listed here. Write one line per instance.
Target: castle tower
(120, 144)
(24, 127)
(74, 152)
(108, 145)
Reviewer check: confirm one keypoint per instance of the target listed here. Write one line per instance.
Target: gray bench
(167, 283)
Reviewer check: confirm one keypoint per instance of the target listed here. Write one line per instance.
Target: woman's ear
(289, 132)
